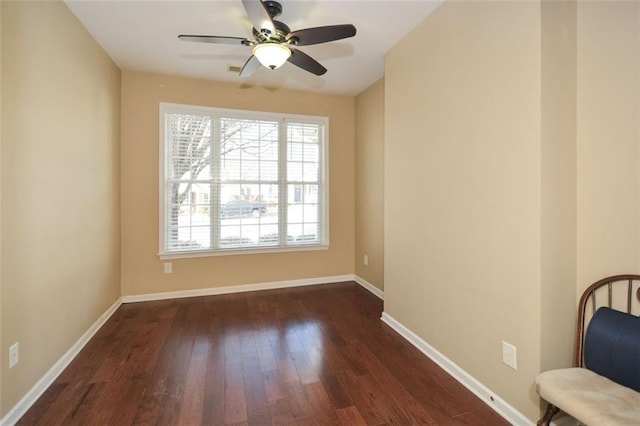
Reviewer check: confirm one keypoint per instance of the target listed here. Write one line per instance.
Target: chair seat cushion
(592, 399)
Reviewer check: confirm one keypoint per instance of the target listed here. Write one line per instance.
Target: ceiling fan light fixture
(272, 55)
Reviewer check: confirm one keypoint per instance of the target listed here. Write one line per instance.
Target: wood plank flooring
(316, 355)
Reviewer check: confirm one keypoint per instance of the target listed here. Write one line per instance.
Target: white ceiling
(142, 36)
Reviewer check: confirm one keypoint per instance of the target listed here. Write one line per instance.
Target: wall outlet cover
(509, 355)
(14, 354)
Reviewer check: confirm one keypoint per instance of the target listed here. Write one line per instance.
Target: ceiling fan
(274, 43)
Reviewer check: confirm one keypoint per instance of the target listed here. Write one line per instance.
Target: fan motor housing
(282, 30)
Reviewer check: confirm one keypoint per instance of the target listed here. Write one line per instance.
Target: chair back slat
(610, 293)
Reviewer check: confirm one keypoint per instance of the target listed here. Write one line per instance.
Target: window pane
(269, 171)
(191, 147)
(302, 213)
(295, 232)
(242, 191)
(294, 172)
(203, 173)
(269, 195)
(294, 194)
(269, 235)
(250, 170)
(311, 194)
(310, 172)
(229, 149)
(294, 152)
(230, 169)
(231, 236)
(295, 213)
(223, 180)
(248, 213)
(310, 233)
(269, 151)
(310, 213)
(193, 217)
(310, 152)
(192, 237)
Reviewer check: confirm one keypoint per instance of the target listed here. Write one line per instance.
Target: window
(240, 181)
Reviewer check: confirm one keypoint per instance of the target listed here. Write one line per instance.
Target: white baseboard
(50, 376)
(367, 285)
(213, 291)
(499, 405)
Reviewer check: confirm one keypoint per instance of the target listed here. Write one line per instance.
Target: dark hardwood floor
(315, 355)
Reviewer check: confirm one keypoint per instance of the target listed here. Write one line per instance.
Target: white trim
(162, 167)
(282, 182)
(212, 291)
(230, 252)
(241, 114)
(499, 405)
(368, 286)
(50, 376)
(325, 185)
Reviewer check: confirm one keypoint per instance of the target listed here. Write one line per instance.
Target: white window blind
(236, 181)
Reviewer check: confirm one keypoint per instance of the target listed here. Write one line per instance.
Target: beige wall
(142, 270)
(60, 187)
(370, 184)
(518, 156)
(608, 138)
(462, 149)
(559, 186)
(522, 153)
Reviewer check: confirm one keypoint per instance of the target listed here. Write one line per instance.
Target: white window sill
(231, 252)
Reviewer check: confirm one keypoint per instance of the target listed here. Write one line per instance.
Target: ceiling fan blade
(215, 39)
(317, 35)
(306, 62)
(250, 67)
(259, 16)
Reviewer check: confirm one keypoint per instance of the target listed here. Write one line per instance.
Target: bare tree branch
(191, 151)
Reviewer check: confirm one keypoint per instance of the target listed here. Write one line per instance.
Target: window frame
(282, 118)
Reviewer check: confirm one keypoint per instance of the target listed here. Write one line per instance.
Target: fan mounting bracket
(273, 8)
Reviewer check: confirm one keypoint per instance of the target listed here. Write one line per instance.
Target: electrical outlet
(14, 354)
(365, 260)
(168, 267)
(509, 355)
